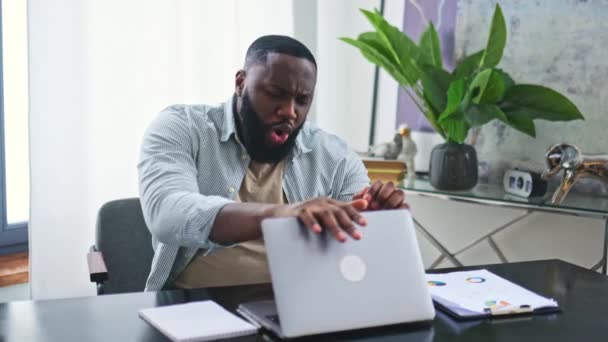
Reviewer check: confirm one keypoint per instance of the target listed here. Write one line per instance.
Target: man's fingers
(329, 222)
(384, 194)
(309, 221)
(395, 200)
(373, 190)
(372, 195)
(359, 204)
(354, 214)
(375, 187)
(346, 223)
(361, 193)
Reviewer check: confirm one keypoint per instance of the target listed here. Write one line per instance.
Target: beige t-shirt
(246, 262)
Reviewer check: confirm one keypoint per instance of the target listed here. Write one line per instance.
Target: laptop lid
(322, 285)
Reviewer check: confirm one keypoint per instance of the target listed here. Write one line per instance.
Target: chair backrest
(125, 241)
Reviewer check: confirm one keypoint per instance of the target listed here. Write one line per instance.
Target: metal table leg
(493, 232)
(436, 262)
(452, 256)
(605, 256)
(604, 259)
(497, 250)
(438, 244)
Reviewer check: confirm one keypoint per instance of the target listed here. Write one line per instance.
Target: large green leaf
(432, 118)
(430, 46)
(521, 121)
(441, 77)
(496, 41)
(390, 65)
(539, 102)
(374, 40)
(468, 65)
(435, 84)
(376, 19)
(506, 78)
(455, 127)
(455, 96)
(376, 57)
(452, 119)
(401, 46)
(487, 87)
(480, 114)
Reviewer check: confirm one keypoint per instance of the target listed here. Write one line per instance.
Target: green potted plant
(473, 94)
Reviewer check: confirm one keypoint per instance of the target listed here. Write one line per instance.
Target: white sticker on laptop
(353, 268)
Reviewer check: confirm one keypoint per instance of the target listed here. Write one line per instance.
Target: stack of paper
(480, 292)
(197, 321)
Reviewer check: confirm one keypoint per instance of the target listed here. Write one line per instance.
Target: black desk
(581, 293)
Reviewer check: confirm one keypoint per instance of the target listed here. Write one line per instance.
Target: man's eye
(303, 100)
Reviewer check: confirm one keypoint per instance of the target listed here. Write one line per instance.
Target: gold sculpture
(576, 165)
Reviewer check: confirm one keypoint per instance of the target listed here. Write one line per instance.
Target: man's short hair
(258, 50)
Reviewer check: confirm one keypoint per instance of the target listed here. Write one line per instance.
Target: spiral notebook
(480, 293)
(197, 321)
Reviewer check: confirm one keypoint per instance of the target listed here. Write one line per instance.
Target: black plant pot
(453, 167)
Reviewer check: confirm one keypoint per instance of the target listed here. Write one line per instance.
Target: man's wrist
(267, 211)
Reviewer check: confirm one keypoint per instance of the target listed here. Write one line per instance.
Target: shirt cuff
(201, 223)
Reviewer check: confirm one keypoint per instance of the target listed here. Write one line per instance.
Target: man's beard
(252, 133)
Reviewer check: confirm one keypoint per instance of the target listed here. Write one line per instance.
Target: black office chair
(122, 255)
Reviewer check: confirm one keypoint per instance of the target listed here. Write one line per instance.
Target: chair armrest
(98, 272)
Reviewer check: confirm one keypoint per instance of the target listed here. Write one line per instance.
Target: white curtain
(101, 70)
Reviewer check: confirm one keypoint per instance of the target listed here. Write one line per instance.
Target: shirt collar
(229, 128)
(228, 124)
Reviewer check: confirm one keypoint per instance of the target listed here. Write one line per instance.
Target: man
(210, 175)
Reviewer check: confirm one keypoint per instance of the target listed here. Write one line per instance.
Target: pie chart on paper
(436, 283)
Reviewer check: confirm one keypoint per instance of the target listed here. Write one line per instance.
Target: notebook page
(197, 321)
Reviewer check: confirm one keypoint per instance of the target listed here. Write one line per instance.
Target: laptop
(321, 285)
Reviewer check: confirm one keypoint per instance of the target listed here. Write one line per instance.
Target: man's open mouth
(279, 134)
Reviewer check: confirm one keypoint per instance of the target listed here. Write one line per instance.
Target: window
(14, 168)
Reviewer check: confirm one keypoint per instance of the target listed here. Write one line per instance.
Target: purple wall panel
(413, 26)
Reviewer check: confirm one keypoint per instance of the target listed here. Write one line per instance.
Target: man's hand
(319, 214)
(382, 196)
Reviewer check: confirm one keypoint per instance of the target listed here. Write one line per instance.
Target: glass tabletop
(494, 194)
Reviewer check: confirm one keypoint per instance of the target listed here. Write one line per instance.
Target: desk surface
(581, 293)
(574, 203)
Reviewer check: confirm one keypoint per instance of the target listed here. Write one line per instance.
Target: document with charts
(479, 293)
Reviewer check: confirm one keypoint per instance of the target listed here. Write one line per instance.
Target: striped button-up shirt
(192, 165)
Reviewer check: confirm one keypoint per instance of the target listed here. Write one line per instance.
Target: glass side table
(494, 195)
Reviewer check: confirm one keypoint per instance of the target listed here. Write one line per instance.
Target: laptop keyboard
(274, 318)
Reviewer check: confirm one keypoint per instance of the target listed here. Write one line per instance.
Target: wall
(571, 60)
(415, 21)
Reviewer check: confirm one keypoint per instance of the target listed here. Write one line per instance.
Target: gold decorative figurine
(576, 165)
